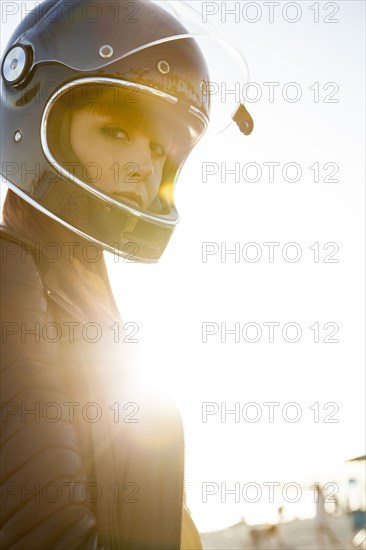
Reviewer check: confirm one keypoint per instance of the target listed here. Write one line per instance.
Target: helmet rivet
(18, 136)
(106, 51)
(163, 66)
(203, 87)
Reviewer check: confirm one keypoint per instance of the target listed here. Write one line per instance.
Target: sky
(295, 305)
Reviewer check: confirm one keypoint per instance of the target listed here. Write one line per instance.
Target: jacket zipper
(184, 488)
(103, 475)
(63, 304)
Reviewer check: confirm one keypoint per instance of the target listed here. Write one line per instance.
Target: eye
(158, 149)
(115, 132)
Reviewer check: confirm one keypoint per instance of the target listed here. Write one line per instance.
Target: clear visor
(221, 91)
(228, 71)
(146, 24)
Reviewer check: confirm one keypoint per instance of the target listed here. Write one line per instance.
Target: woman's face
(120, 155)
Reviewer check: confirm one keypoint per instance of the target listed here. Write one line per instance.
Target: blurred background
(252, 478)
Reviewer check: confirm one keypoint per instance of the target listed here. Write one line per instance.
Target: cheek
(158, 171)
(81, 143)
(90, 147)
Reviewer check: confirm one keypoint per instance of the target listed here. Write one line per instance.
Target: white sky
(172, 299)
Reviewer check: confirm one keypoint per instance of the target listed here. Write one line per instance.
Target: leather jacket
(91, 459)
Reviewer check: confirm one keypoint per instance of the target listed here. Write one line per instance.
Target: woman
(95, 139)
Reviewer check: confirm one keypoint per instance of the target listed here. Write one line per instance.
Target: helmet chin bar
(130, 244)
(40, 208)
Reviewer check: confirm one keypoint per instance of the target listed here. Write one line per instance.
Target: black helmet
(136, 59)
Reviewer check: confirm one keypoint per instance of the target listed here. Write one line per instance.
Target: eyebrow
(149, 126)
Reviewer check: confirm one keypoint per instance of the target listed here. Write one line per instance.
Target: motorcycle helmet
(129, 61)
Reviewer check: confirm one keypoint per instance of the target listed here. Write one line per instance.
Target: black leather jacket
(90, 460)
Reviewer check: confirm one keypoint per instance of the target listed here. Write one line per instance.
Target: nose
(142, 160)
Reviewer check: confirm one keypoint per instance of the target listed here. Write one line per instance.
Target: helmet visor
(106, 37)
